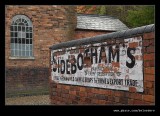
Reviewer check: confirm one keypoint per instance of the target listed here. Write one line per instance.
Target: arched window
(21, 36)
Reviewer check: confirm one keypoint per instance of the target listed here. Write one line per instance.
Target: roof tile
(97, 22)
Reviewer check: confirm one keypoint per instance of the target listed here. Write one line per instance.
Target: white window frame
(21, 38)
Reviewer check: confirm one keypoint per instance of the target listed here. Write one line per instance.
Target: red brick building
(31, 30)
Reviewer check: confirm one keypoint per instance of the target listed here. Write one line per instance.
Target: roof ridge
(96, 15)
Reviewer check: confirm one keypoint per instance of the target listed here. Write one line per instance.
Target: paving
(28, 100)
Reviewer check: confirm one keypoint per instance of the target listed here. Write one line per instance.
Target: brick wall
(51, 25)
(79, 33)
(26, 81)
(149, 67)
(73, 94)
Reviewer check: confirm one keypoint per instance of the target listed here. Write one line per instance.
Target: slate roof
(99, 22)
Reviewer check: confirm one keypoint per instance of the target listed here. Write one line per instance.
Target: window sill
(23, 58)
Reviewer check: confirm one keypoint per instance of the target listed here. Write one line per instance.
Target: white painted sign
(102, 65)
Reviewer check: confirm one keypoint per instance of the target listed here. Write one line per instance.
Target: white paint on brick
(135, 73)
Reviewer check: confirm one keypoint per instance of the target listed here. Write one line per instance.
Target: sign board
(102, 65)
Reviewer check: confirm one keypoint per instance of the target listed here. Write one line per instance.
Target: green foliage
(102, 10)
(131, 15)
(142, 15)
